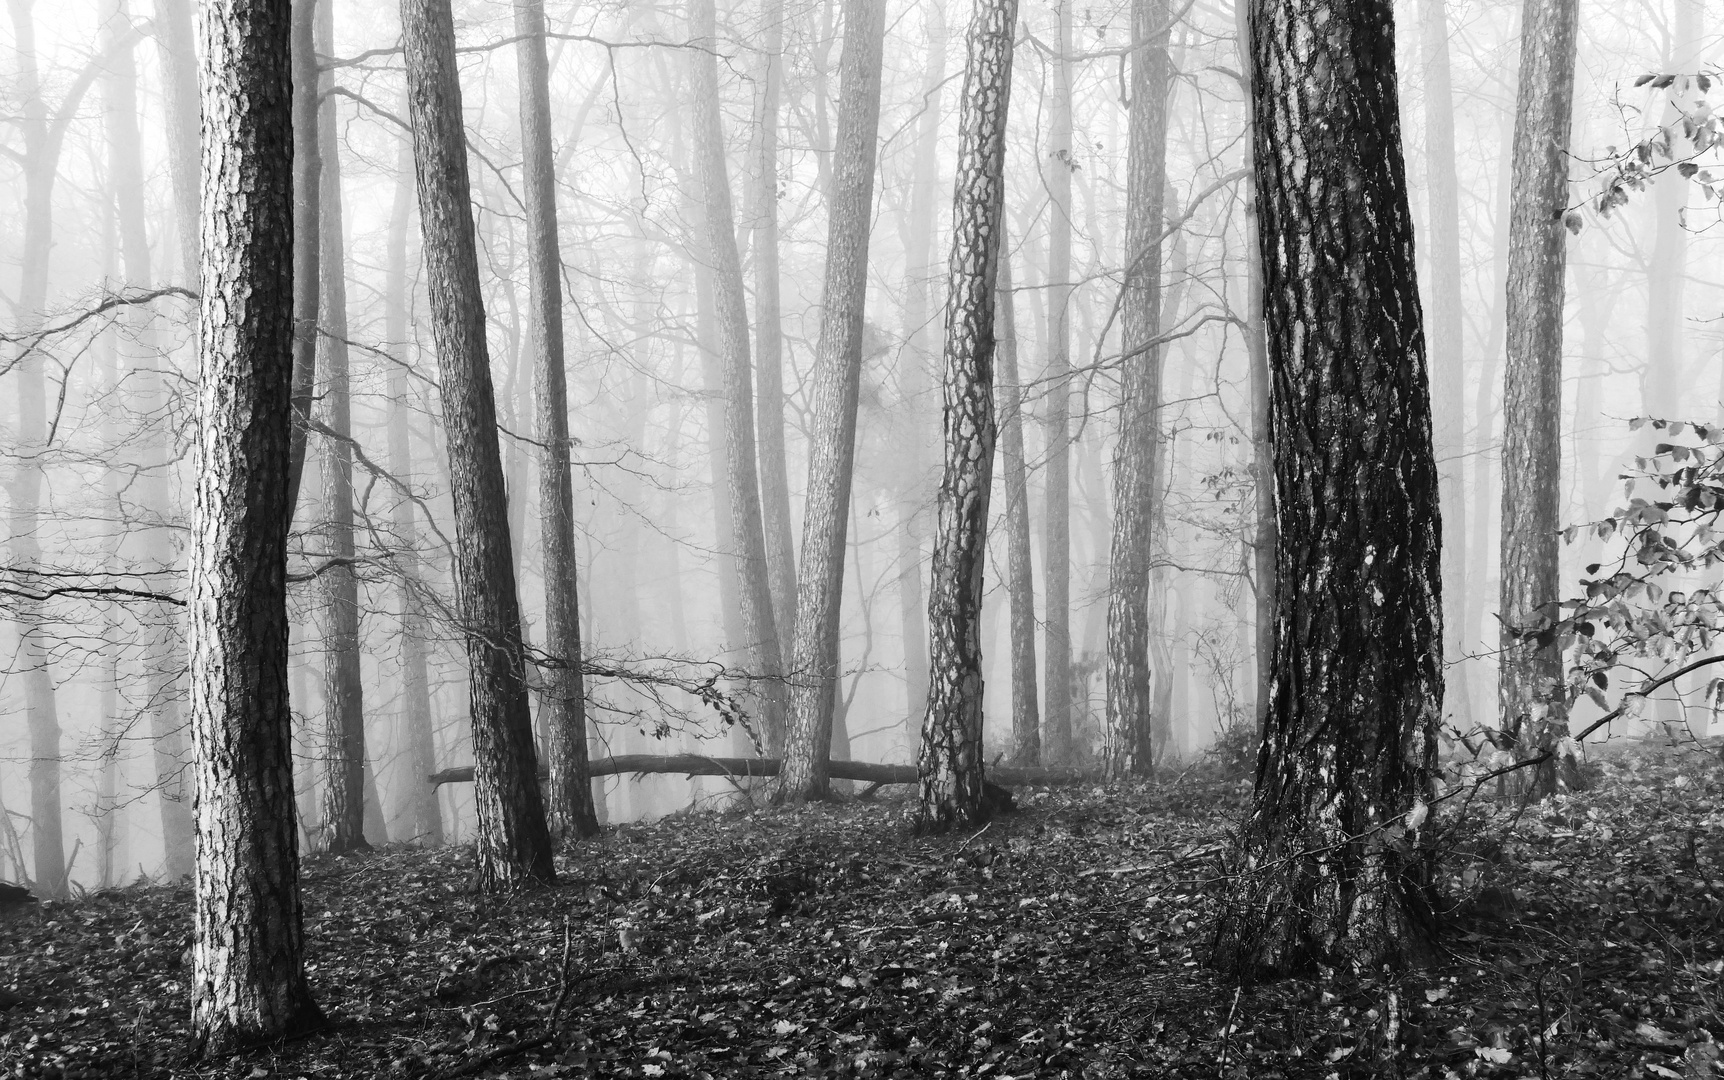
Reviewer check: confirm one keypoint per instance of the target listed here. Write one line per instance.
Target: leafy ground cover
(1066, 939)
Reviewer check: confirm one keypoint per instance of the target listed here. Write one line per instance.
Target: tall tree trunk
(1530, 680)
(748, 538)
(1357, 693)
(836, 378)
(1130, 708)
(1058, 743)
(769, 331)
(419, 737)
(1446, 340)
(1664, 390)
(248, 974)
(950, 761)
(1009, 393)
(173, 33)
(562, 702)
(307, 232)
(344, 765)
(513, 840)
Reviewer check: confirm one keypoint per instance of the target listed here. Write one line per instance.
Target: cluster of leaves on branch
(1627, 623)
(1690, 133)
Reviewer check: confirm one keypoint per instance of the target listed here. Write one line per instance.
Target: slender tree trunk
(419, 737)
(173, 33)
(307, 232)
(1130, 708)
(1009, 393)
(950, 762)
(1531, 678)
(248, 974)
(748, 538)
(563, 699)
(1357, 692)
(344, 764)
(837, 375)
(1058, 743)
(1665, 392)
(513, 840)
(768, 329)
(1446, 339)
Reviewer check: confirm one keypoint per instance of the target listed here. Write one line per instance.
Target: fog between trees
(701, 180)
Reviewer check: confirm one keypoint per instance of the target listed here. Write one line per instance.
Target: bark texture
(950, 761)
(1130, 707)
(1337, 868)
(836, 379)
(1529, 687)
(248, 980)
(562, 701)
(514, 844)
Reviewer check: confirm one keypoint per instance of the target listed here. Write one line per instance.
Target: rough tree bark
(1529, 687)
(1020, 585)
(1130, 707)
(425, 815)
(836, 379)
(514, 844)
(248, 975)
(562, 701)
(950, 761)
(1336, 868)
(747, 539)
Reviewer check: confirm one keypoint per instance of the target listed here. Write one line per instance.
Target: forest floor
(1066, 939)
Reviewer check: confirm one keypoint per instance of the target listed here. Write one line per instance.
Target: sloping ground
(827, 942)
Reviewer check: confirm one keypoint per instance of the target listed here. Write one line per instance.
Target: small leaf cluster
(1694, 130)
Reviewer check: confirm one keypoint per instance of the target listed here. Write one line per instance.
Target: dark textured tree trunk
(1337, 867)
(425, 816)
(248, 975)
(836, 378)
(1058, 737)
(747, 540)
(173, 33)
(950, 761)
(1446, 338)
(344, 765)
(514, 844)
(307, 232)
(1130, 708)
(1020, 586)
(1530, 682)
(562, 702)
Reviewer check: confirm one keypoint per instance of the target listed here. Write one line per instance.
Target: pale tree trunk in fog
(1445, 338)
(173, 33)
(514, 843)
(119, 103)
(1129, 706)
(1351, 739)
(344, 764)
(1020, 585)
(248, 975)
(836, 378)
(307, 233)
(1599, 290)
(1664, 391)
(768, 331)
(1530, 679)
(425, 815)
(1057, 743)
(562, 702)
(950, 763)
(747, 540)
(914, 422)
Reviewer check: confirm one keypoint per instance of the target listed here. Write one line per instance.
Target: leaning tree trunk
(1530, 678)
(343, 748)
(1337, 869)
(173, 33)
(836, 378)
(1130, 708)
(307, 232)
(950, 762)
(1020, 585)
(248, 974)
(562, 702)
(748, 537)
(513, 840)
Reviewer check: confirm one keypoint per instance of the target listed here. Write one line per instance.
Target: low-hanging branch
(698, 765)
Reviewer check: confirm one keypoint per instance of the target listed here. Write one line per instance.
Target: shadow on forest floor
(1063, 940)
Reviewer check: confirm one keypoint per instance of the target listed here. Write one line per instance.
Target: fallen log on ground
(696, 765)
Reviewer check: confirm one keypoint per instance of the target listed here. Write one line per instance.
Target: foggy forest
(861, 538)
